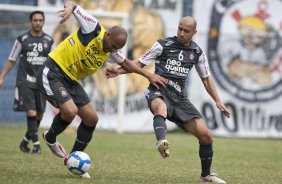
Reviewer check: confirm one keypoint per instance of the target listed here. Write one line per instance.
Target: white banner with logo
(243, 42)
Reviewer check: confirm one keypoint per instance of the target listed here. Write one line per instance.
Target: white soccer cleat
(56, 148)
(163, 147)
(85, 175)
(213, 177)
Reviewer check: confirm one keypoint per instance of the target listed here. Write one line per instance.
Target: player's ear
(108, 34)
(195, 31)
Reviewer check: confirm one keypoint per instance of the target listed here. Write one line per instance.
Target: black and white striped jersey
(174, 61)
(31, 52)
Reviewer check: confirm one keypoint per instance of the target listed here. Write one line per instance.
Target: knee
(205, 138)
(161, 110)
(69, 114)
(31, 113)
(94, 120)
(91, 120)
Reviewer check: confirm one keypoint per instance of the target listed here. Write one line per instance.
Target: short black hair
(36, 12)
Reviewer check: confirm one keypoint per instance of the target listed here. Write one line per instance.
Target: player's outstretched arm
(113, 72)
(86, 21)
(154, 79)
(65, 13)
(211, 89)
(136, 67)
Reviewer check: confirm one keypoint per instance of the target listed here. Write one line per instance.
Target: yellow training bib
(81, 55)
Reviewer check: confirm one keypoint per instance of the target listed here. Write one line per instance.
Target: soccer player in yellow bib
(81, 54)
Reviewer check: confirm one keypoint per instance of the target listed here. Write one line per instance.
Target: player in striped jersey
(174, 57)
(31, 49)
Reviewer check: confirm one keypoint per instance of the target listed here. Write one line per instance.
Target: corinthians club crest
(245, 48)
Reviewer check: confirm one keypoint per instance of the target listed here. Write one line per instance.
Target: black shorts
(179, 109)
(58, 87)
(27, 98)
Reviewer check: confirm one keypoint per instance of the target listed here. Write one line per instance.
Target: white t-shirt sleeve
(86, 21)
(202, 66)
(155, 51)
(116, 57)
(17, 48)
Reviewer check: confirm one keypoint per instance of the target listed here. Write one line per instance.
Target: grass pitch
(133, 158)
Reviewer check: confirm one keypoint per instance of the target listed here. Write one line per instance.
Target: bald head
(117, 30)
(119, 35)
(189, 21)
(115, 38)
(186, 30)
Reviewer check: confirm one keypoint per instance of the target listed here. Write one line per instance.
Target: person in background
(174, 57)
(32, 49)
(81, 54)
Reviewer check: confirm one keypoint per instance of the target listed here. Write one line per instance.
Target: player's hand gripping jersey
(81, 53)
(174, 61)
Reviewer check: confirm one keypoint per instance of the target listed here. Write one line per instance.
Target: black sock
(32, 129)
(25, 141)
(206, 153)
(160, 127)
(38, 122)
(29, 123)
(27, 136)
(37, 146)
(84, 135)
(57, 127)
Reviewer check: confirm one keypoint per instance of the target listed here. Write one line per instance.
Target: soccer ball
(78, 162)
